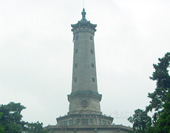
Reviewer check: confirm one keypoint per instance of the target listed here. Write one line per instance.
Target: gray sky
(36, 52)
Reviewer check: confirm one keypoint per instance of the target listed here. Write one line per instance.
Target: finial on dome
(83, 13)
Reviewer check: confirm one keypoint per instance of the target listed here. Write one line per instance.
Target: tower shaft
(84, 66)
(84, 108)
(84, 96)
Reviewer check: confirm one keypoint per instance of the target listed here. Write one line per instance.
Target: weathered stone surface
(89, 129)
(84, 114)
(84, 79)
(81, 119)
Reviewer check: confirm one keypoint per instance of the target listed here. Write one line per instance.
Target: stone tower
(84, 114)
(84, 97)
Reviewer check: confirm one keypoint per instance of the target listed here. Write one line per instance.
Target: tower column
(84, 96)
(84, 108)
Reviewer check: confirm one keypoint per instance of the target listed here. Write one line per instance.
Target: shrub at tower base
(159, 104)
(11, 120)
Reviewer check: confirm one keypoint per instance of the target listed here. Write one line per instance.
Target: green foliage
(11, 120)
(140, 121)
(1, 128)
(35, 128)
(160, 101)
(163, 124)
(162, 78)
(160, 98)
(11, 117)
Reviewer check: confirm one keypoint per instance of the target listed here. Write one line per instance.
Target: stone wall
(89, 129)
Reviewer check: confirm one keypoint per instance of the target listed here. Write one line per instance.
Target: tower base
(84, 119)
(89, 129)
(86, 123)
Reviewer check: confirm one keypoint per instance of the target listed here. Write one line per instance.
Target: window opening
(92, 65)
(76, 51)
(77, 37)
(75, 79)
(91, 121)
(104, 122)
(70, 122)
(91, 38)
(78, 122)
(84, 121)
(100, 122)
(92, 51)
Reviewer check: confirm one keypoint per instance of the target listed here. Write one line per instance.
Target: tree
(35, 127)
(1, 128)
(161, 75)
(163, 124)
(11, 117)
(11, 120)
(140, 121)
(160, 100)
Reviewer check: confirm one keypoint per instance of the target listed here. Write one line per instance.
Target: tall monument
(84, 97)
(84, 110)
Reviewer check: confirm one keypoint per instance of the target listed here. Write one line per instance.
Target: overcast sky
(36, 53)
